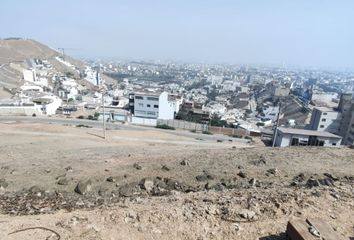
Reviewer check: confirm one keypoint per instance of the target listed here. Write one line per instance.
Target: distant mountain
(14, 55)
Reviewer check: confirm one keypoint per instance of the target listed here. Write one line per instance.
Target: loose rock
(242, 174)
(83, 187)
(3, 183)
(137, 166)
(165, 168)
(63, 181)
(185, 163)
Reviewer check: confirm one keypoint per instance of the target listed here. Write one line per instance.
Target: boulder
(3, 183)
(165, 168)
(331, 176)
(201, 178)
(63, 181)
(254, 182)
(83, 187)
(242, 174)
(184, 163)
(146, 184)
(246, 214)
(128, 190)
(69, 169)
(311, 182)
(137, 166)
(110, 179)
(273, 171)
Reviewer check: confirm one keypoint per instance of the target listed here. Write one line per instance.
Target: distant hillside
(14, 52)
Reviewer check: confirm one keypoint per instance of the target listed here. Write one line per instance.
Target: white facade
(155, 106)
(146, 105)
(48, 105)
(325, 119)
(167, 109)
(29, 75)
(299, 137)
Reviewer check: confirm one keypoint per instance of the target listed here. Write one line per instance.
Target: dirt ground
(216, 181)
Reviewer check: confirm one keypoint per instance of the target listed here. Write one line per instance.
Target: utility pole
(104, 116)
(63, 52)
(103, 110)
(276, 126)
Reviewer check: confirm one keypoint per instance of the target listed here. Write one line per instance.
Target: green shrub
(193, 131)
(164, 126)
(80, 117)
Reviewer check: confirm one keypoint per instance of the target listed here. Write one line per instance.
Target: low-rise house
(48, 104)
(286, 137)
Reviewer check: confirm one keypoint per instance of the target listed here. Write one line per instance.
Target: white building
(29, 75)
(325, 119)
(155, 105)
(286, 137)
(48, 104)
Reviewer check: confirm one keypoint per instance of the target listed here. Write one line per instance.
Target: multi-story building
(346, 128)
(346, 109)
(339, 121)
(154, 105)
(325, 119)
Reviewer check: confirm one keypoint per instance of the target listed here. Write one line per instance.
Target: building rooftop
(307, 132)
(325, 109)
(147, 93)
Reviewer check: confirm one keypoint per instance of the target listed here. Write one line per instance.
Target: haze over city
(184, 119)
(280, 33)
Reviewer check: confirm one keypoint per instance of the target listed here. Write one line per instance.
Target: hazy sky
(294, 32)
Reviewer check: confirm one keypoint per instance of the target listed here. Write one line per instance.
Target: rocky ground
(64, 182)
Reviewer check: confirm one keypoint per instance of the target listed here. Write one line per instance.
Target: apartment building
(325, 119)
(338, 121)
(346, 107)
(154, 105)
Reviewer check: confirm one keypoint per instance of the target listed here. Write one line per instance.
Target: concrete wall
(228, 131)
(183, 125)
(19, 110)
(112, 117)
(144, 121)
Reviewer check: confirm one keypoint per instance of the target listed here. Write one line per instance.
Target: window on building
(139, 97)
(156, 106)
(323, 120)
(322, 126)
(148, 105)
(334, 144)
(324, 113)
(152, 98)
(151, 113)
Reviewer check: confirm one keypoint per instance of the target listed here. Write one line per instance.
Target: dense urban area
(169, 150)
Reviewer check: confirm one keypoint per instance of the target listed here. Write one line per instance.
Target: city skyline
(304, 34)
